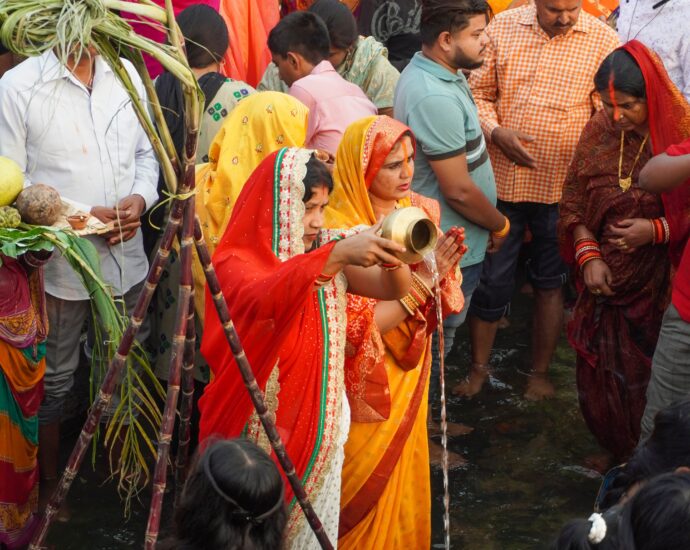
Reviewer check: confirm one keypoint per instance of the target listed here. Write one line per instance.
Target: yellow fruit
(11, 181)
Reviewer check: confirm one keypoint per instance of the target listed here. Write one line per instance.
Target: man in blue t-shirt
(452, 163)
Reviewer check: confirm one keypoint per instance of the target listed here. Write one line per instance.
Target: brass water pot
(413, 229)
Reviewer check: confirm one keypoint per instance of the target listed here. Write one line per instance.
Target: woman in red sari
(288, 307)
(619, 236)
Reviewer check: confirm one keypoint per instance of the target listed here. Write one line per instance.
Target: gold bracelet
(409, 304)
(503, 232)
(420, 286)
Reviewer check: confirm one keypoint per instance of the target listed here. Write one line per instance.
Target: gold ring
(596, 291)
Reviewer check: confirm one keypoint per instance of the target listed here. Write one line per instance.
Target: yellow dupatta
(386, 470)
(349, 204)
(261, 124)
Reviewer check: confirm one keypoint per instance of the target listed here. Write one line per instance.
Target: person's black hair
(627, 77)
(341, 24)
(206, 35)
(300, 32)
(233, 499)
(317, 176)
(575, 535)
(667, 448)
(440, 16)
(658, 516)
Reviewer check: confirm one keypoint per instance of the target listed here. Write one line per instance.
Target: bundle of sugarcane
(137, 411)
(69, 28)
(30, 27)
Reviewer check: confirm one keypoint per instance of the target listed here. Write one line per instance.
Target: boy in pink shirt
(300, 46)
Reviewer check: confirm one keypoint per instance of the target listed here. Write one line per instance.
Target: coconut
(11, 181)
(39, 204)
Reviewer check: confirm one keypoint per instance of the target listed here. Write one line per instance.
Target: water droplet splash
(430, 261)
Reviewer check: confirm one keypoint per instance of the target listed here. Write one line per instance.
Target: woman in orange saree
(386, 494)
(288, 307)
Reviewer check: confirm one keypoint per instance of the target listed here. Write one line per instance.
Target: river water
(525, 475)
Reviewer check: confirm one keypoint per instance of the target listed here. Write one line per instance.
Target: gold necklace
(625, 183)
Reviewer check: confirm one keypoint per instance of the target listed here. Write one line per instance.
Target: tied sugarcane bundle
(69, 28)
(32, 27)
(137, 410)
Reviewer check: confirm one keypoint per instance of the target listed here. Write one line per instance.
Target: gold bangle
(409, 303)
(421, 287)
(503, 232)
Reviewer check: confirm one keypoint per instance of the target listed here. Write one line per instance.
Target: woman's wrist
(586, 250)
(661, 232)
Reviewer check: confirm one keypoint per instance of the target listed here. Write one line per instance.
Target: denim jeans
(545, 267)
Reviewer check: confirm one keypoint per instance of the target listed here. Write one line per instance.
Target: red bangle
(588, 257)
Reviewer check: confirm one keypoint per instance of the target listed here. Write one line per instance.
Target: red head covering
(282, 322)
(669, 124)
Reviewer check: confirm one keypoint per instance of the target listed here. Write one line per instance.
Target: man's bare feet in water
(436, 457)
(539, 387)
(454, 429)
(472, 385)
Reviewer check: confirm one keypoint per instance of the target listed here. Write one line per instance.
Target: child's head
(233, 499)
(658, 516)
(298, 43)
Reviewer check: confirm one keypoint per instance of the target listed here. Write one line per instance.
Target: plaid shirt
(542, 87)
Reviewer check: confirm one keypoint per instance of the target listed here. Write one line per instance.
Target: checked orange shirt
(543, 87)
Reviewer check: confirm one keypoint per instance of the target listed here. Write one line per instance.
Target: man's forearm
(665, 173)
(473, 205)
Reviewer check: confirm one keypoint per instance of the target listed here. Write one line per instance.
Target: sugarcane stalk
(163, 132)
(167, 163)
(253, 388)
(187, 403)
(179, 336)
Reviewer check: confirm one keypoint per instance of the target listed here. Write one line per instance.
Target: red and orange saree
(293, 336)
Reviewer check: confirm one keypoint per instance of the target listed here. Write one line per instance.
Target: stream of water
(430, 261)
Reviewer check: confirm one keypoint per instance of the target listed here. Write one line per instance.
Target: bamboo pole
(187, 403)
(179, 337)
(109, 383)
(254, 390)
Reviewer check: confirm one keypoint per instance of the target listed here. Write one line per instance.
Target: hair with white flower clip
(597, 532)
(587, 534)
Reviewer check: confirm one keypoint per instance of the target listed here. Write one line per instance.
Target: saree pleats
(21, 392)
(386, 492)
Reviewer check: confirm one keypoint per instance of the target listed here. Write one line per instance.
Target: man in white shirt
(661, 25)
(73, 127)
